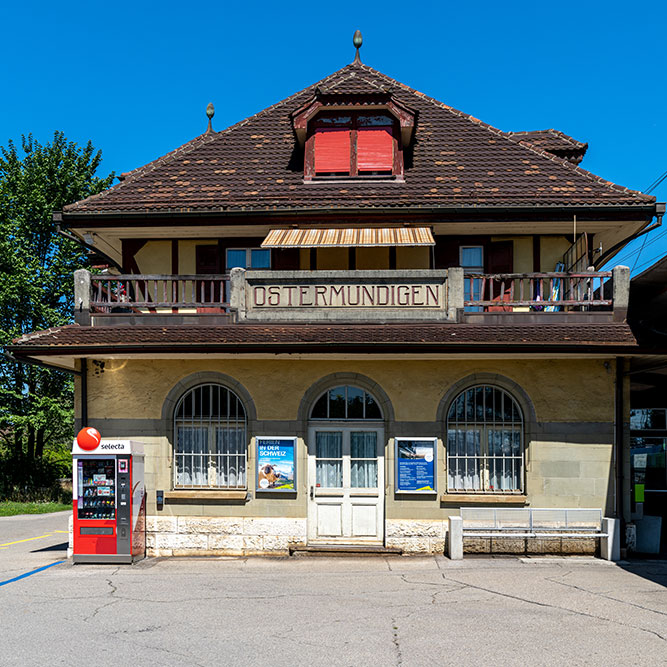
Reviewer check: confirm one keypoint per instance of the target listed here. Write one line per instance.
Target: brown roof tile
(457, 161)
(406, 337)
(554, 142)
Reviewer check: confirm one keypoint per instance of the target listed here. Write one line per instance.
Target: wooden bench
(533, 522)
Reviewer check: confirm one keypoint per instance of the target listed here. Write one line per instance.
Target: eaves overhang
(586, 211)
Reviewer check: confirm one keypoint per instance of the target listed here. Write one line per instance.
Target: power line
(655, 184)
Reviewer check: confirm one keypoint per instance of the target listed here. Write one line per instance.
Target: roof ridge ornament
(210, 112)
(357, 40)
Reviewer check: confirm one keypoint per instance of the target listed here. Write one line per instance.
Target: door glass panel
(329, 459)
(363, 460)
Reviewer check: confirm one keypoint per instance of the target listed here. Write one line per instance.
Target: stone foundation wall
(530, 545)
(424, 536)
(207, 536)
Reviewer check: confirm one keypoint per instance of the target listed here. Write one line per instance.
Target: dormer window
(353, 145)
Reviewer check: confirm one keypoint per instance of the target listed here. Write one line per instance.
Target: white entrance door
(346, 485)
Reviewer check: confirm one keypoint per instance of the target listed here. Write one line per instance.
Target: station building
(341, 320)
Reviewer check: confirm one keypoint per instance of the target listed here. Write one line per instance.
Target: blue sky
(135, 78)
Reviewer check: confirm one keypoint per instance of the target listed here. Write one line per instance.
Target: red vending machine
(109, 499)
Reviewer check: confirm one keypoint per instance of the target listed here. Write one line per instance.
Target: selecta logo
(88, 439)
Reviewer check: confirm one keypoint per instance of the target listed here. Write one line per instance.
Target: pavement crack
(546, 605)
(606, 597)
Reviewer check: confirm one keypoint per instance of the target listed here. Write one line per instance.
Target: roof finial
(357, 40)
(210, 112)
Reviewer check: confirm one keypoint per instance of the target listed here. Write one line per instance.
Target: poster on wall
(276, 464)
(415, 465)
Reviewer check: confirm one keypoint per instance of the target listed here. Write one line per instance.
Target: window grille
(485, 442)
(346, 403)
(211, 443)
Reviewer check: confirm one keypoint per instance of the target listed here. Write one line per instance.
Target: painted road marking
(27, 574)
(27, 539)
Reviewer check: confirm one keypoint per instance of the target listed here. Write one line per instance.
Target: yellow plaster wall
(372, 258)
(561, 390)
(569, 473)
(552, 249)
(413, 257)
(154, 258)
(332, 259)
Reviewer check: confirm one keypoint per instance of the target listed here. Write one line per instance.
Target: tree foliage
(36, 288)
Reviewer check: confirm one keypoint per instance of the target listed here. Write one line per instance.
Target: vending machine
(109, 499)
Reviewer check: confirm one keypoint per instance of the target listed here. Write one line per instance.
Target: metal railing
(148, 293)
(548, 292)
(530, 521)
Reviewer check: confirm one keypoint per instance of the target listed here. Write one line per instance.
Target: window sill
(483, 499)
(204, 496)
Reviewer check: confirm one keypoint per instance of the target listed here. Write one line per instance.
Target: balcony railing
(154, 293)
(348, 296)
(548, 292)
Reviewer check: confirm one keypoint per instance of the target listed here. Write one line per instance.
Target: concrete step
(344, 550)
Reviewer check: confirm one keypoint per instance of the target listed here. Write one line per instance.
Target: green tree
(36, 291)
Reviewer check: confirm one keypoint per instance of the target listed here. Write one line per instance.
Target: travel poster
(276, 464)
(415, 465)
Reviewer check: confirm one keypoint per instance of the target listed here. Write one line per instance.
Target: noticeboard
(415, 465)
(276, 464)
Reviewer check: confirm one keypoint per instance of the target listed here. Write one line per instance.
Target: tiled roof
(400, 337)
(456, 161)
(555, 142)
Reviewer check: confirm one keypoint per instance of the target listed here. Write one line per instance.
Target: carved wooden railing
(549, 292)
(148, 293)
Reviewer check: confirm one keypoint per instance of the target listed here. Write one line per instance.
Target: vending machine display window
(96, 488)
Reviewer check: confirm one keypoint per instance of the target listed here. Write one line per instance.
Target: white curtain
(192, 456)
(363, 459)
(230, 445)
(463, 460)
(504, 459)
(329, 459)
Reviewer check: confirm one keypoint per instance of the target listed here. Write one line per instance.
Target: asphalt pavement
(323, 611)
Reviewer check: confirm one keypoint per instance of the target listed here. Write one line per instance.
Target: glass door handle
(312, 492)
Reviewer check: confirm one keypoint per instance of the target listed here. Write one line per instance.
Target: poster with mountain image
(276, 464)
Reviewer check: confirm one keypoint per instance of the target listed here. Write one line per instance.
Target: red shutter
(332, 150)
(375, 149)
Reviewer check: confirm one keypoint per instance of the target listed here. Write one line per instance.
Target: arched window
(346, 403)
(210, 433)
(485, 448)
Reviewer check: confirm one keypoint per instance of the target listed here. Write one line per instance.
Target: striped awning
(348, 238)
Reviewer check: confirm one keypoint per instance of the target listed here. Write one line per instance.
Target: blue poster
(276, 464)
(415, 465)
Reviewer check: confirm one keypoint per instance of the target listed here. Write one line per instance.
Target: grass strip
(9, 508)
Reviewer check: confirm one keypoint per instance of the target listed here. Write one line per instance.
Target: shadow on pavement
(653, 570)
(54, 547)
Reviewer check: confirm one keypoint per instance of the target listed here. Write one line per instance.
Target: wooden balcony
(538, 292)
(350, 296)
(152, 294)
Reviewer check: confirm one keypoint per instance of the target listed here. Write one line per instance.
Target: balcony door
(346, 484)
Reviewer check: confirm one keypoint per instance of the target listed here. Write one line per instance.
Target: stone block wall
(218, 536)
